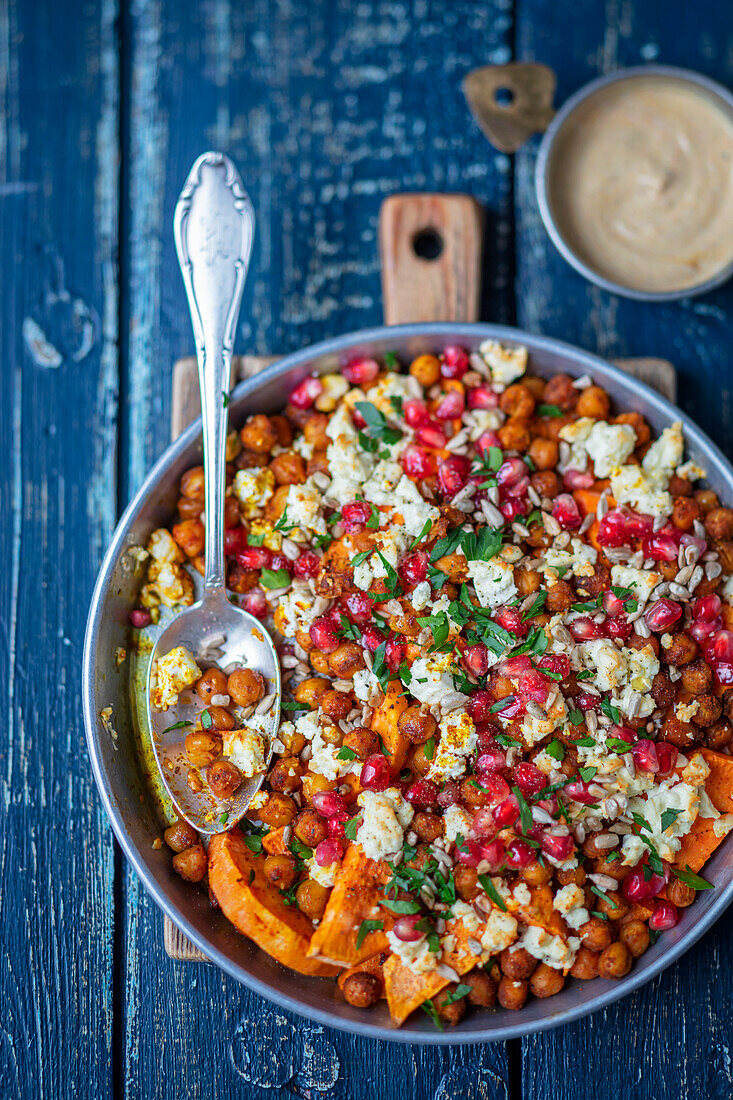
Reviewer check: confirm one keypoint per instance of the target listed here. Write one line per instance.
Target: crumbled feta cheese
(366, 685)
(403, 386)
(552, 950)
(324, 876)
(380, 486)
(690, 471)
(534, 729)
(466, 914)
(385, 816)
(500, 931)
(246, 749)
(570, 902)
(493, 581)
(634, 849)
(174, 672)
(296, 612)
(642, 666)
(723, 825)
(416, 956)
(421, 596)
(609, 445)
(727, 590)
(608, 661)
(324, 754)
(580, 558)
(334, 388)
(667, 795)
(665, 454)
(642, 582)
(303, 507)
(686, 711)
(162, 547)
(506, 364)
(521, 894)
(413, 508)
(633, 486)
(431, 680)
(696, 770)
(576, 434)
(253, 487)
(456, 822)
(479, 421)
(457, 742)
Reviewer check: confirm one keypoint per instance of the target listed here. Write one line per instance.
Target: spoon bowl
(214, 228)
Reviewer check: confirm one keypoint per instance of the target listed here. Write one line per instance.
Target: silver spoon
(213, 228)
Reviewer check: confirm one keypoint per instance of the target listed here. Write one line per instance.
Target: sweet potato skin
(256, 908)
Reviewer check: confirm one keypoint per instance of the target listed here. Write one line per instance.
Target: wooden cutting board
(430, 248)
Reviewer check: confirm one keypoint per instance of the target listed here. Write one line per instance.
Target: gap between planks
(186, 407)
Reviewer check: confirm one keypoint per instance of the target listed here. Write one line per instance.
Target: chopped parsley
(365, 928)
(689, 878)
(274, 578)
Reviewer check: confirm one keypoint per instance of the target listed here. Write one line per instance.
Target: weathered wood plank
(58, 391)
(673, 1038)
(326, 108)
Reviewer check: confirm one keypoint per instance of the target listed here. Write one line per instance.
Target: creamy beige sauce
(641, 184)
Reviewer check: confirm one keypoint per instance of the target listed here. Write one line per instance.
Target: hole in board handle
(427, 244)
(504, 97)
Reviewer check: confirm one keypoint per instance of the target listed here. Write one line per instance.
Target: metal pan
(114, 747)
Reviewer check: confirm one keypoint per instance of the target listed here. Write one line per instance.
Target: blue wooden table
(327, 106)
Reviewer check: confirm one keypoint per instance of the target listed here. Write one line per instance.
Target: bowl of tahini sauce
(635, 183)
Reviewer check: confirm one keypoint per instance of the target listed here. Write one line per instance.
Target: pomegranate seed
(533, 685)
(328, 851)
(662, 614)
(416, 462)
(506, 813)
(280, 561)
(450, 795)
(372, 638)
(453, 474)
(414, 568)
(528, 778)
(578, 791)
(357, 419)
(375, 774)
(405, 930)
(511, 472)
(481, 397)
(483, 823)
(394, 653)
(451, 407)
(486, 440)
(707, 608)
(139, 617)
(665, 915)
(307, 565)
(478, 707)
(422, 793)
(515, 709)
(645, 756)
(612, 605)
(468, 854)
(328, 803)
(558, 847)
(583, 629)
(492, 852)
(622, 733)
(702, 631)
(667, 757)
(635, 887)
(510, 618)
(485, 737)
(475, 659)
(566, 512)
(612, 529)
(416, 413)
(496, 789)
(660, 547)
(255, 603)
(618, 626)
(577, 479)
(722, 646)
(585, 701)
(358, 607)
(354, 516)
(453, 362)
(323, 635)
(235, 540)
(431, 435)
(361, 371)
(490, 761)
(514, 667)
(639, 526)
(510, 509)
(254, 557)
(305, 394)
(559, 664)
(519, 854)
(336, 825)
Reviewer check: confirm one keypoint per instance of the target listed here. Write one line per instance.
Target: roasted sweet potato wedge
(703, 839)
(256, 908)
(384, 723)
(354, 899)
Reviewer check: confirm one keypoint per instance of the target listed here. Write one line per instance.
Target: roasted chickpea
(681, 734)
(245, 686)
(560, 596)
(593, 402)
(526, 580)
(311, 898)
(515, 435)
(707, 500)
(635, 641)
(194, 782)
(708, 711)
(517, 964)
(288, 468)
(719, 523)
(725, 555)
(663, 690)
(418, 726)
(450, 1008)
(534, 874)
(472, 793)
(546, 483)
(279, 810)
(575, 876)
(483, 988)
(466, 880)
(614, 868)
(239, 579)
(719, 735)
(190, 507)
(314, 431)
(544, 453)
(427, 826)
(311, 691)
(180, 835)
(546, 981)
(361, 741)
(418, 761)
(346, 660)
(596, 584)
(680, 894)
(615, 961)
(192, 483)
(310, 828)
(221, 718)
(682, 650)
(213, 682)
(362, 990)
(518, 401)
(559, 390)
(684, 513)
(223, 778)
(638, 423)
(426, 368)
(595, 934)
(616, 908)
(696, 677)
(280, 871)
(203, 747)
(679, 486)
(634, 935)
(285, 774)
(585, 966)
(511, 994)
(259, 434)
(190, 536)
(335, 704)
(192, 863)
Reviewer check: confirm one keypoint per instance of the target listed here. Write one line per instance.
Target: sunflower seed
(457, 440)
(290, 549)
(579, 832)
(641, 628)
(264, 704)
(605, 841)
(474, 946)
(699, 530)
(679, 590)
(494, 518)
(220, 700)
(534, 496)
(321, 480)
(591, 721)
(583, 382)
(604, 882)
(551, 525)
(696, 577)
(289, 662)
(479, 365)
(713, 569)
(587, 523)
(602, 506)
(684, 574)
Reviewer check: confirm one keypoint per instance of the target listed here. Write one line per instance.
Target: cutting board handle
(430, 249)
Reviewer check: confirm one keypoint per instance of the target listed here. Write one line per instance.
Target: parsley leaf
(549, 410)
(535, 607)
(525, 814)
(365, 928)
(669, 817)
(426, 529)
(274, 578)
(429, 1007)
(556, 749)
(351, 826)
(397, 906)
(689, 878)
(492, 892)
(178, 726)
(345, 753)
(377, 428)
